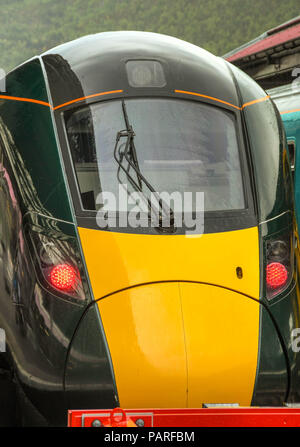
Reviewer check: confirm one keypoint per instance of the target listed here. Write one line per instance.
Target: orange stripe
(15, 98)
(255, 101)
(225, 102)
(290, 111)
(209, 97)
(36, 101)
(86, 97)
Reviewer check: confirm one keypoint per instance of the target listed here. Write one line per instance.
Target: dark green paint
(28, 135)
(267, 141)
(88, 376)
(271, 380)
(27, 81)
(291, 123)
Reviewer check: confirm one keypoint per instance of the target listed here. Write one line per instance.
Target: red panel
(269, 42)
(204, 417)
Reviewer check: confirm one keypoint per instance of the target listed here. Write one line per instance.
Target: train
(115, 291)
(287, 99)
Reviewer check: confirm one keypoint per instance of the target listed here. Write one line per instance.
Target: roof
(97, 63)
(284, 33)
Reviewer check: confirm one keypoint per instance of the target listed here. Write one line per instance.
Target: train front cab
(156, 318)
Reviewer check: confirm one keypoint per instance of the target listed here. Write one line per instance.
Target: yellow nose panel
(221, 333)
(143, 327)
(119, 260)
(181, 345)
(174, 343)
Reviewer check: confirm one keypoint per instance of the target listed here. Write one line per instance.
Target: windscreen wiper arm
(129, 154)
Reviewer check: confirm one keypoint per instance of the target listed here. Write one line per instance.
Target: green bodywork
(287, 100)
(28, 133)
(277, 373)
(31, 144)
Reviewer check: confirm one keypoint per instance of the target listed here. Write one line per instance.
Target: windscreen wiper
(129, 154)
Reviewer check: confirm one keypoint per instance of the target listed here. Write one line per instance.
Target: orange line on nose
(224, 102)
(15, 98)
(255, 101)
(36, 101)
(208, 97)
(86, 97)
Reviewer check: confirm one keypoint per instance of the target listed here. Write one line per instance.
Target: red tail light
(58, 265)
(277, 275)
(279, 270)
(64, 277)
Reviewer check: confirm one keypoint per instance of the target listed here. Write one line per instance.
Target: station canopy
(273, 58)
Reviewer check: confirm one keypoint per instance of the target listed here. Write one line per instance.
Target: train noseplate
(203, 417)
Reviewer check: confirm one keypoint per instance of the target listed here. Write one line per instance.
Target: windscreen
(174, 146)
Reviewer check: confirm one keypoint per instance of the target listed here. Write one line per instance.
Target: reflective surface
(168, 354)
(58, 348)
(28, 136)
(177, 150)
(268, 148)
(287, 99)
(74, 72)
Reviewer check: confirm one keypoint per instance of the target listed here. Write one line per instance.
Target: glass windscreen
(173, 145)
